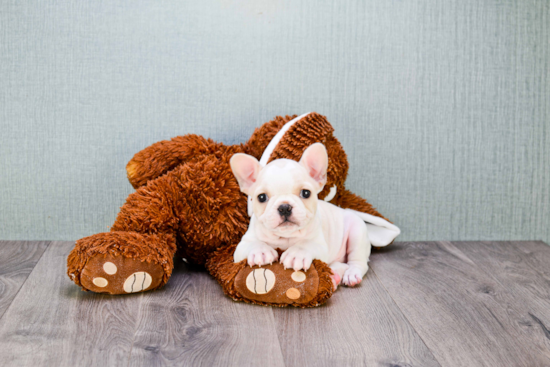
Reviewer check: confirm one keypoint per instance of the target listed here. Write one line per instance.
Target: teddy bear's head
(288, 137)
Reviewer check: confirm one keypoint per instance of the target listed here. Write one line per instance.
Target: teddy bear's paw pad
(137, 282)
(260, 281)
(276, 285)
(105, 273)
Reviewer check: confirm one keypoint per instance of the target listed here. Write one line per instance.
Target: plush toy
(188, 201)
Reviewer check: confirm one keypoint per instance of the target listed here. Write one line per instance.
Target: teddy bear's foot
(274, 285)
(122, 262)
(271, 285)
(105, 273)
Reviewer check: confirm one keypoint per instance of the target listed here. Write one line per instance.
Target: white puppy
(288, 215)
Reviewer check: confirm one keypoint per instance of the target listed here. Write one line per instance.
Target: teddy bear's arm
(165, 155)
(348, 200)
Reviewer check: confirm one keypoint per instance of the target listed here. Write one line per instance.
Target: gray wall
(442, 106)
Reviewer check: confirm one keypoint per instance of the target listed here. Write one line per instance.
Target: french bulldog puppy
(288, 215)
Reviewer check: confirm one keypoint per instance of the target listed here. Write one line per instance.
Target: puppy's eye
(262, 198)
(305, 193)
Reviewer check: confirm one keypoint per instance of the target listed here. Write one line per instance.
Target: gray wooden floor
(421, 304)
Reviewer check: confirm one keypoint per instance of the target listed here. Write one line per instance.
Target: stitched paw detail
(137, 282)
(120, 275)
(260, 281)
(273, 284)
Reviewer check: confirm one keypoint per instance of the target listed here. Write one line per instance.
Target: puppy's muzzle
(285, 210)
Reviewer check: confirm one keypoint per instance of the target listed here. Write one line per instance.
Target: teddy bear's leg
(199, 203)
(348, 200)
(138, 253)
(161, 157)
(271, 284)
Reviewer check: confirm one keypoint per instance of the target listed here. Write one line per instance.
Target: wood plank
(523, 269)
(463, 315)
(191, 322)
(359, 326)
(51, 322)
(17, 259)
(472, 304)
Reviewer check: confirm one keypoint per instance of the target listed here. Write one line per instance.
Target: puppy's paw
(262, 254)
(352, 276)
(296, 258)
(338, 270)
(336, 279)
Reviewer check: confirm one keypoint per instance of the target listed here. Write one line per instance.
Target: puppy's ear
(245, 168)
(315, 161)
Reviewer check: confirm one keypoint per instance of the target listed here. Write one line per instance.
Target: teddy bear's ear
(245, 168)
(315, 161)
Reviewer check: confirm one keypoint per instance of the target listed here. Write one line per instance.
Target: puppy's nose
(284, 210)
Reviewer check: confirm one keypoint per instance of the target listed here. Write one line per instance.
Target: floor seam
(406, 318)
(48, 243)
(278, 337)
(135, 329)
(494, 278)
(515, 245)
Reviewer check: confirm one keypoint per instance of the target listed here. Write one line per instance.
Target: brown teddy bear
(188, 201)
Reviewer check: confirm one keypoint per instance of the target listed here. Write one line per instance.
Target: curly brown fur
(161, 157)
(349, 200)
(200, 201)
(262, 135)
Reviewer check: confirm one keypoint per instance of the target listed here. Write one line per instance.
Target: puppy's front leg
(257, 252)
(300, 256)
